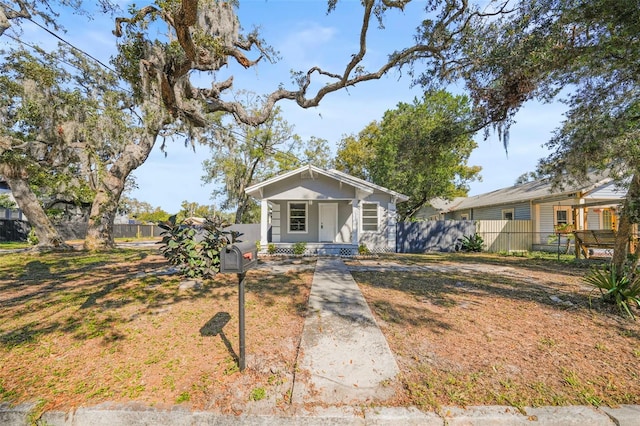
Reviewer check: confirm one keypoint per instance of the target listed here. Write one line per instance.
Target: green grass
(258, 394)
(14, 245)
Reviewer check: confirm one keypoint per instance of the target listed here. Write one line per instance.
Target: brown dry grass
(481, 329)
(79, 329)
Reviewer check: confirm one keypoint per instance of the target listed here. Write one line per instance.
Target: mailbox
(238, 258)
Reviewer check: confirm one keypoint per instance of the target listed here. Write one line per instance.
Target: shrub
(195, 251)
(32, 238)
(363, 249)
(299, 248)
(471, 243)
(271, 248)
(622, 290)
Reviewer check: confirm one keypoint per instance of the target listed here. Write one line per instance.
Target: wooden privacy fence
(506, 235)
(442, 235)
(17, 230)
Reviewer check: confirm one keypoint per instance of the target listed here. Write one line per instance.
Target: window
(464, 216)
(369, 217)
(298, 217)
(608, 219)
(507, 214)
(562, 217)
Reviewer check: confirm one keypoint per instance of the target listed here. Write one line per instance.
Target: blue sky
(306, 36)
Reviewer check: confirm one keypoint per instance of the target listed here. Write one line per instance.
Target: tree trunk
(105, 204)
(103, 212)
(242, 206)
(48, 236)
(625, 225)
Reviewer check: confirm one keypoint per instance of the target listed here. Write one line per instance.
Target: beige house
(547, 210)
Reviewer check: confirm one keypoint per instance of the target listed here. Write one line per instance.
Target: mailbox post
(238, 258)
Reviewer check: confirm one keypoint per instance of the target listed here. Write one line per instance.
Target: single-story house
(330, 211)
(593, 206)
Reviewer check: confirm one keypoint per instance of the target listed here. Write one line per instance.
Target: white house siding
(593, 219)
(345, 223)
(378, 241)
(547, 220)
(319, 188)
(606, 192)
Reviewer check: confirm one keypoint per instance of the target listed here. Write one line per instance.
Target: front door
(328, 222)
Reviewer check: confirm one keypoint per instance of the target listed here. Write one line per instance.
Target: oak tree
(586, 54)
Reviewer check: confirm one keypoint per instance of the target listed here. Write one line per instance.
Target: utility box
(238, 258)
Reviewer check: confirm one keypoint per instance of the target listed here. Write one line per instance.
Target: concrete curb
(133, 414)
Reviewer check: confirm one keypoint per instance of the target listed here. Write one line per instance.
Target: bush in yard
(195, 251)
(299, 248)
(271, 248)
(622, 290)
(363, 249)
(470, 243)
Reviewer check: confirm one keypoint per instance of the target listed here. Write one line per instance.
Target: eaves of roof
(358, 183)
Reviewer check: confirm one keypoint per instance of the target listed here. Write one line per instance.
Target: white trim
(378, 216)
(306, 217)
(505, 211)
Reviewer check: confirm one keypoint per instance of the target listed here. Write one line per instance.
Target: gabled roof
(531, 191)
(358, 183)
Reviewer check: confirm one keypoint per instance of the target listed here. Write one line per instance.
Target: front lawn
(82, 328)
(484, 329)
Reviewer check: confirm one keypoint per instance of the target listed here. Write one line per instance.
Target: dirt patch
(486, 330)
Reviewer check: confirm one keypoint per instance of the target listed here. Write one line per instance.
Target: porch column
(264, 223)
(355, 218)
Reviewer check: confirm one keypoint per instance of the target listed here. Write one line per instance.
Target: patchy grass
(481, 329)
(467, 329)
(82, 328)
(14, 245)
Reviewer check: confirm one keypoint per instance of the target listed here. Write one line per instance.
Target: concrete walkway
(342, 348)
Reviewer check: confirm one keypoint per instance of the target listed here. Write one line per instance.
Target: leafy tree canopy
(419, 149)
(583, 52)
(242, 155)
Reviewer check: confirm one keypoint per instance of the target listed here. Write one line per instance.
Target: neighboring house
(9, 214)
(593, 205)
(332, 212)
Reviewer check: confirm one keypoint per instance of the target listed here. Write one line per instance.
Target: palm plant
(623, 290)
